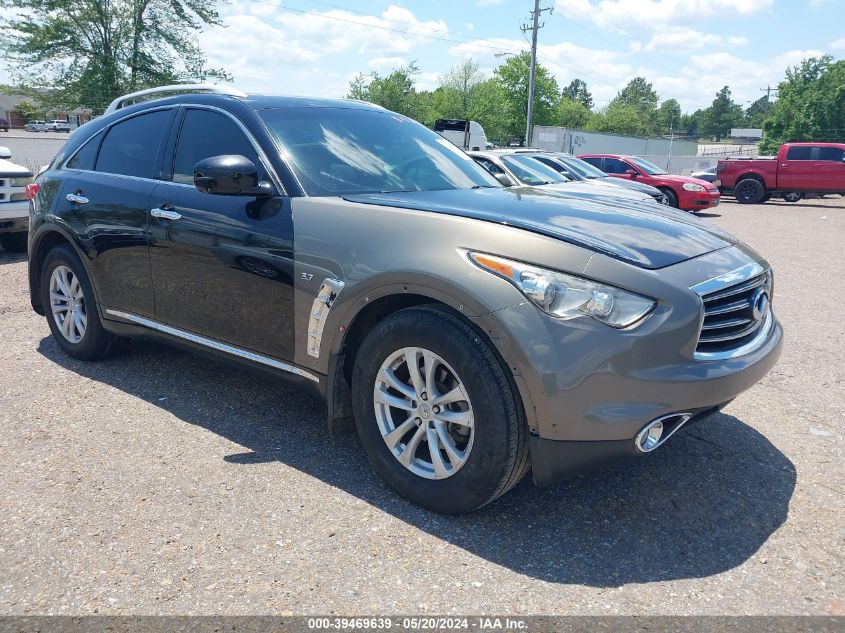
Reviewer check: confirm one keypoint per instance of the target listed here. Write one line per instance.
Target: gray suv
(472, 332)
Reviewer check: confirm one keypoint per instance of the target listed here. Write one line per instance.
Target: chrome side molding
(320, 308)
(212, 344)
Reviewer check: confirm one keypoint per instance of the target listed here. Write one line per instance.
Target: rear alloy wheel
(436, 411)
(68, 300)
(792, 196)
(749, 191)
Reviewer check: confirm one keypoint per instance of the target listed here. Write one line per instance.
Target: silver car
(471, 332)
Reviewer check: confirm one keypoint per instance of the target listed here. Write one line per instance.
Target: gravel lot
(160, 482)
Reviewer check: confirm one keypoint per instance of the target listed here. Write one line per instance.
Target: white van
(468, 135)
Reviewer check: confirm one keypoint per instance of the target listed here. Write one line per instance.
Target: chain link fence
(32, 152)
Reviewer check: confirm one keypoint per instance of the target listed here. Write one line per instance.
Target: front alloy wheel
(424, 413)
(67, 303)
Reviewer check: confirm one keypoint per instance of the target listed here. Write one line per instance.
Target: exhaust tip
(656, 432)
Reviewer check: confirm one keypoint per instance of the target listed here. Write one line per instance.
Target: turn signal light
(31, 191)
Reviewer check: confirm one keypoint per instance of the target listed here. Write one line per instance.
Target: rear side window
(131, 147)
(615, 166)
(832, 153)
(86, 157)
(799, 153)
(595, 162)
(205, 134)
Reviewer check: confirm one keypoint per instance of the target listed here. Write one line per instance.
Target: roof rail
(133, 97)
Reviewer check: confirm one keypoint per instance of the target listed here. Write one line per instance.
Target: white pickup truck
(14, 205)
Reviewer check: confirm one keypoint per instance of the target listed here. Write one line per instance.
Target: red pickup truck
(797, 169)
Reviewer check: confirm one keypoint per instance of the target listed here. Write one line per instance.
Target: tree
(669, 116)
(639, 94)
(810, 105)
(460, 83)
(397, 91)
(758, 112)
(722, 115)
(491, 108)
(572, 114)
(620, 118)
(512, 76)
(577, 91)
(87, 52)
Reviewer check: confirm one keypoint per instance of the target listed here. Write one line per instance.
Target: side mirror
(229, 175)
(631, 173)
(504, 179)
(5, 152)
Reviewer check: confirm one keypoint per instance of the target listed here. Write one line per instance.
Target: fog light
(650, 437)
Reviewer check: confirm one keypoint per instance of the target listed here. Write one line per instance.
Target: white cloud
(621, 15)
(838, 44)
(487, 3)
(272, 50)
(684, 40)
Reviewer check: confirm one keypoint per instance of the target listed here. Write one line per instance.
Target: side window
(595, 162)
(615, 166)
(86, 157)
(489, 165)
(799, 153)
(204, 134)
(834, 154)
(131, 147)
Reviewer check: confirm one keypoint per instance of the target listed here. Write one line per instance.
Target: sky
(688, 49)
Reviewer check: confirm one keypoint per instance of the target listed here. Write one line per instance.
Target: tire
(749, 191)
(792, 196)
(14, 242)
(766, 198)
(91, 342)
(671, 197)
(494, 450)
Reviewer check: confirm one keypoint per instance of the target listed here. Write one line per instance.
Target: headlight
(20, 182)
(691, 186)
(567, 296)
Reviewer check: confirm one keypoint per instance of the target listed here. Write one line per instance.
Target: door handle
(165, 214)
(75, 198)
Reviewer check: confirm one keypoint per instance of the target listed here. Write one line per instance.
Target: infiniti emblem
(760, 304)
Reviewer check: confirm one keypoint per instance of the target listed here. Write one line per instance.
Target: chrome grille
(733, 317)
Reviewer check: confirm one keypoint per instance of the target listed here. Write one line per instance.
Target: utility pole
(534, 27)
(768, 90)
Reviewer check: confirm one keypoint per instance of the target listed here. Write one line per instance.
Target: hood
(596, 189)
(630, 184)
(680, 180)
(645, 234)
(9, 169)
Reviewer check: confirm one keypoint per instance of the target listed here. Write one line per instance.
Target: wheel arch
(40, 245)
(383, 303)
(751, 174)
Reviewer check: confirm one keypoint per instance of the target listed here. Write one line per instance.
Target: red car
(797, 169)
(683, 192)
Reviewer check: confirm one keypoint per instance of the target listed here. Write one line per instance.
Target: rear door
(106, 203)
(829, 169)
(223, 268)
(795, 170)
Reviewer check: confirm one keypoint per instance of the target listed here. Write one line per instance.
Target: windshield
(580, 167)
(339, 151)
(531, 171)
(647, 167)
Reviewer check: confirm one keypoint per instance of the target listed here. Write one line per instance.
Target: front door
(223, 267)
